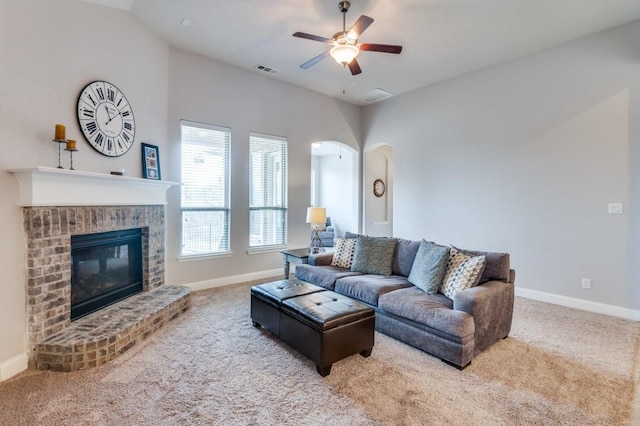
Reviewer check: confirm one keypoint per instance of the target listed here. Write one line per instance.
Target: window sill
(270, 249)
(210, 256)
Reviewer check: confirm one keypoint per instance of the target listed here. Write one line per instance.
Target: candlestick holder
(59, 142)
(71, 151)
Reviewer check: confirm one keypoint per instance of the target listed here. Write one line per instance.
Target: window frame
(284, 208)
(227, 195)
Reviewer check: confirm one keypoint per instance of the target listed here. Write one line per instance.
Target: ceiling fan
(344, 43)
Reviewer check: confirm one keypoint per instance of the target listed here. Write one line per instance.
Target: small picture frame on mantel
(150, 161)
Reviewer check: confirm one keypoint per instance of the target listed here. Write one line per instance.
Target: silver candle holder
(71, 151)
(59, 142)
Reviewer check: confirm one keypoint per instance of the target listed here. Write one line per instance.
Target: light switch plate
(616, 208)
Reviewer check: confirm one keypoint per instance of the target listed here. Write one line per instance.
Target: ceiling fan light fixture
(344, 53)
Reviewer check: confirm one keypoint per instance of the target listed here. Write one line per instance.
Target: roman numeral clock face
(106, 118)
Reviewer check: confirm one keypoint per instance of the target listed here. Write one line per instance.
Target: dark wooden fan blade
(354, 67)
(386, 48)
(313, 37)
(358, 28)
(315, 60)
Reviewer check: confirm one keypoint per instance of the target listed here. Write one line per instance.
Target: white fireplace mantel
(47, 186)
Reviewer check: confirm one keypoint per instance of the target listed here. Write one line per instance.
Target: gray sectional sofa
(454, 330)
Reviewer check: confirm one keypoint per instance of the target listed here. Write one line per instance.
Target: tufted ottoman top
(326, 310)
(277, 291)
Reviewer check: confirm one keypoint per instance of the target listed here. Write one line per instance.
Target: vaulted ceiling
(441, 39)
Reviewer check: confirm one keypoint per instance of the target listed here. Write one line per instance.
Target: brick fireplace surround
(55, 342)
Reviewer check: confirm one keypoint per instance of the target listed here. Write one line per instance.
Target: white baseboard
(585, 305)
(234, 279)
(13, 366)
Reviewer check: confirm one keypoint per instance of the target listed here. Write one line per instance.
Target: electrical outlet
(586, 283)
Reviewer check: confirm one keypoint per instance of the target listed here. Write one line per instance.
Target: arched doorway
(334, 183)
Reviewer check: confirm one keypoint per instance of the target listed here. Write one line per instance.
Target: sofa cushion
(429, 267)
(403, 256)
(431, 310)
(374, 255)
(324, 276)
(343, 253)
(497, 266)
(368, 288)
(463, 271)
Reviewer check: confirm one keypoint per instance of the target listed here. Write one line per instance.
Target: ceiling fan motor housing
(342, 37)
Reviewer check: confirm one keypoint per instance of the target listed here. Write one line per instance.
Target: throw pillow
(497, 267)
(429, 267)
(343, 252)
(463, 271)
(374, 255)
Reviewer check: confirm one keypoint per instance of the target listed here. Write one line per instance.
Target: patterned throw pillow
(497, 266)
(343, 252)
(463, 271)
(374, 255)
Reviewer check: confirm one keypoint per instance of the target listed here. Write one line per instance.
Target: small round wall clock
(106, 118)
(379, 187)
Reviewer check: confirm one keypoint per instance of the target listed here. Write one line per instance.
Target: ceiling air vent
(264, 68)
(373, 96)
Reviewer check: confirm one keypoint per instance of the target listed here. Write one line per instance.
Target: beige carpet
(211, 366)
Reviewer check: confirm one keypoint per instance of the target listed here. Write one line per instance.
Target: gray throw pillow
(429, 267)
(352, 235)
(374, 255)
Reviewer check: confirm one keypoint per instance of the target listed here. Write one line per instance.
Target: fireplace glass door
(106, 268)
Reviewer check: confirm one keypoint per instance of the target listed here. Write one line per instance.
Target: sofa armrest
(491, 306)
(320, 259)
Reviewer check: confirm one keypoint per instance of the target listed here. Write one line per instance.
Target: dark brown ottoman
(266, 300)
(327, 327)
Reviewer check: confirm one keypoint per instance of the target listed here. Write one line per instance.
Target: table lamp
(317, 217)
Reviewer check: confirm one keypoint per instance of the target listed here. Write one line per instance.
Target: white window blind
(205, 201)
(268, 187)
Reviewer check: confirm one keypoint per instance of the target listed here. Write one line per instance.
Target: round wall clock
(379, 187)
(106, 119)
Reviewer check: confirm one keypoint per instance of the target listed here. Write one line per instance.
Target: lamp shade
(344, 53)
(316, 215)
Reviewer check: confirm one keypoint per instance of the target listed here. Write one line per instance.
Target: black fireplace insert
(105, 268)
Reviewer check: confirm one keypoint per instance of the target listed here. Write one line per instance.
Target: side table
(294, 256)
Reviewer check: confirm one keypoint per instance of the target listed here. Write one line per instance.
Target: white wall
(524, 157)
(49, 51)
(207, 91)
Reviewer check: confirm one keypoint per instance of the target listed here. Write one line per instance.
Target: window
(267, 191)
(205, 201)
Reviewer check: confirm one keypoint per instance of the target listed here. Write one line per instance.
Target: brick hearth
(48, 232)
(102, 336)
